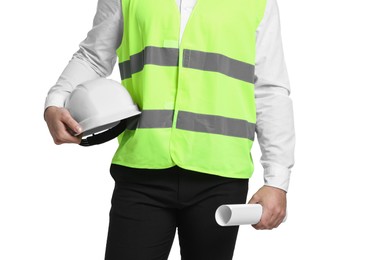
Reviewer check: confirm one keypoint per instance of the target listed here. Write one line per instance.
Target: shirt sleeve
(96, 56)
(274, 110)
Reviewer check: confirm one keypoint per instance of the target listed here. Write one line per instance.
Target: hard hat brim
(100, 123)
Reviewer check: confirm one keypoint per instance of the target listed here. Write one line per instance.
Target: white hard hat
(98, 105)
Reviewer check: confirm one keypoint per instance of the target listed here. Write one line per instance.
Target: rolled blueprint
(238, 214)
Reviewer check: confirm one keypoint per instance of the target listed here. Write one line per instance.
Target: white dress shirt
(96, 58)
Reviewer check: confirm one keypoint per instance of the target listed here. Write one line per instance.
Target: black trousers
(149, 205)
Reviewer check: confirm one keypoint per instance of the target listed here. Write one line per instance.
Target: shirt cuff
(56, 99)
(277, 176)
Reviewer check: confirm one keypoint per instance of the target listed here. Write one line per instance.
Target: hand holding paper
(239, 214)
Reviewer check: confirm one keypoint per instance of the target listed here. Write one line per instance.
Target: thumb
(254, 199)
(71, 123)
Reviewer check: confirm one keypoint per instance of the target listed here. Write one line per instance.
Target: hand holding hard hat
(63, 128)
(100, 107)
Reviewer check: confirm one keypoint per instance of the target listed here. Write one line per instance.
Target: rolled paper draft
(238, 214)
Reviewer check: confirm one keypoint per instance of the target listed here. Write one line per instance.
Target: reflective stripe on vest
(218, 63)
(196, 93)
(150, 55)
(194, 122)
(191, 59)
(215, 125)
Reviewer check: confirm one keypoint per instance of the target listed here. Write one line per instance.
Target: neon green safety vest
(197, 95)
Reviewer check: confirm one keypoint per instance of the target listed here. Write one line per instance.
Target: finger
(68, 138)
(254, 200)
(276, 216)
(273, 222)
(68, 120)
(62, 135)
(280, 217)
(73, 138)
(271, 218)
(264, 220)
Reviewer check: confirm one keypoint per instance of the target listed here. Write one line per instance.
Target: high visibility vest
(197, 95)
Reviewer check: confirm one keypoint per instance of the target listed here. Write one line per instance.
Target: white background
(55, 200)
